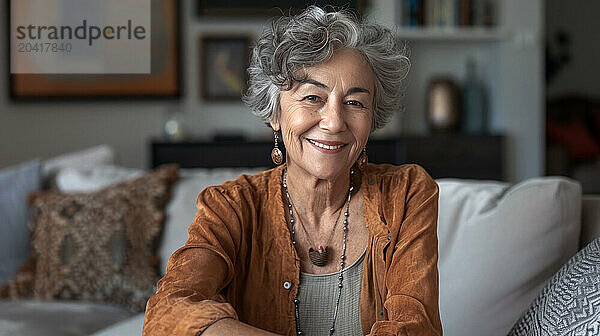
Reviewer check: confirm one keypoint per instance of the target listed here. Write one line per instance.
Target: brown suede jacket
(243, 221)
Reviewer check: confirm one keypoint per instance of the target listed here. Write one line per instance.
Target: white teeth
(318, 144)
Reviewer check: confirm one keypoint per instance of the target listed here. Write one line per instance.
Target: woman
(324, 243)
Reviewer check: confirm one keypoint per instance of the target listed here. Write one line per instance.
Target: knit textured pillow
(97, 246)
(570, 303)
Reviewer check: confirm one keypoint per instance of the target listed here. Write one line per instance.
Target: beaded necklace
(342, 257)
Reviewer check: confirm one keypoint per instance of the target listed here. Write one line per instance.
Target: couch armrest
(590, 219)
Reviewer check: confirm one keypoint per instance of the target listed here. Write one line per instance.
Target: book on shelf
(412, 12)
(446, 13)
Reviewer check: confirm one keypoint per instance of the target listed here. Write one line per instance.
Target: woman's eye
(354, 103)
(312, 98)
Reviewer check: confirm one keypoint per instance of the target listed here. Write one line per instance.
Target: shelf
(453, 34)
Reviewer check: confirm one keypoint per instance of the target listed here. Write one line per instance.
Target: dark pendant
(276, 156)
(319, 257)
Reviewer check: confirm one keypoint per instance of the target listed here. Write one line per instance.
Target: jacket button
(287, 285)
(371, 181)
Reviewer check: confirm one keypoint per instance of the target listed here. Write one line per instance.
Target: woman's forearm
(232, 327)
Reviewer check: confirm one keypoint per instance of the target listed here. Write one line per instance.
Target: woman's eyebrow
(313, 82)
(321, 85)
(357, 90)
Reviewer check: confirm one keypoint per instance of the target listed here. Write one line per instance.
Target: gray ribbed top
(318, 294)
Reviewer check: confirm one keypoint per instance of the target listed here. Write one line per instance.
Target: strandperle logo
(82, 32)
(81, 36)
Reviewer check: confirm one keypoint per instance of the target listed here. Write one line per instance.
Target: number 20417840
(44, 47)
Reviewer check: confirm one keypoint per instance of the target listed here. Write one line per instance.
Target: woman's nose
(332, 117)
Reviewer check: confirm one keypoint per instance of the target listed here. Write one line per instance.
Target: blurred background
(504, 89)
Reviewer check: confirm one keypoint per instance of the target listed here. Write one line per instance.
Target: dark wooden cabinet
(442, 155)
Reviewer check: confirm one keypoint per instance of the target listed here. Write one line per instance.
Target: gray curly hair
(291, 43)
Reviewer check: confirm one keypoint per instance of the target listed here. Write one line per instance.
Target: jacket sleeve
(190, 297)
(411, 279)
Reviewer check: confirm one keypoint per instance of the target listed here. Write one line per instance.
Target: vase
(475, 111)
(443, 104)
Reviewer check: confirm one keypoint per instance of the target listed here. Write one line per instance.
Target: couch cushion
(15, 184)
(99, 246)
(497, 247)
(34, 318)
(570, 303)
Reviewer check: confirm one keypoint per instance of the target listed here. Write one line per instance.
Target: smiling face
(326, 118)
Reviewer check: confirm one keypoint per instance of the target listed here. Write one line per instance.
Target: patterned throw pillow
(570, 303)
(97, 246)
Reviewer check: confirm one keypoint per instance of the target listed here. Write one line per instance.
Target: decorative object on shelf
(443, 104)
(174, 128)
(163, 81)
(224, 60)
(474, 102)
(268, 7)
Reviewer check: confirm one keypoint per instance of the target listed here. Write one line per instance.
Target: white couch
(498, 243)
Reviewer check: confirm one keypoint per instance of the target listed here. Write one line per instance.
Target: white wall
(522, 88)
(580, 20)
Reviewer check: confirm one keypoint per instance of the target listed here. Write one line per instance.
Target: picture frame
(163, 82)
(269, 7)
(223, 63)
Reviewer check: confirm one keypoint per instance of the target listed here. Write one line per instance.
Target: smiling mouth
(332, 146)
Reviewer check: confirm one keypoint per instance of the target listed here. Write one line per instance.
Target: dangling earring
(363, 160)
(276, 154)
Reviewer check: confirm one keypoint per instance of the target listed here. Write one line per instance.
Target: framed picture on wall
(163, 81)
(223, 63)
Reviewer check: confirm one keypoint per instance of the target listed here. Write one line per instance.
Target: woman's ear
(274, 125)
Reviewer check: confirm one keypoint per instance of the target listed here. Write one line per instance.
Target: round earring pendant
(276, 156)
(362, 162)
